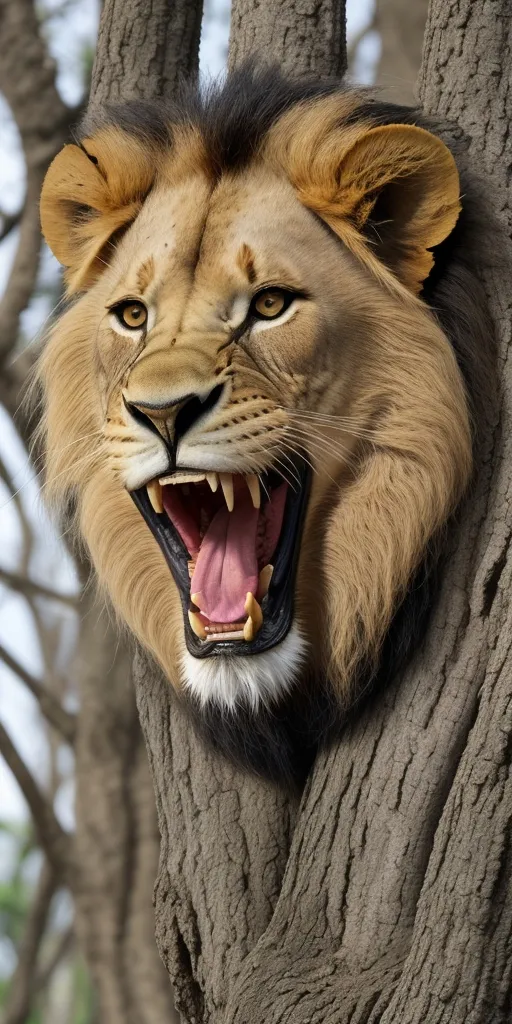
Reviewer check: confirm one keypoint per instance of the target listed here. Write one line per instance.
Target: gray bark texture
(144, 47)
(116, 840)
(385, 895)
(302, 36)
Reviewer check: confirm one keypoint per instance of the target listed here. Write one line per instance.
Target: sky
(70, 28)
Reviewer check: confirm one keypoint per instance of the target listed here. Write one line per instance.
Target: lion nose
(174, 418)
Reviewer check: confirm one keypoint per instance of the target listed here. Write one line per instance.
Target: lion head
(261, 421)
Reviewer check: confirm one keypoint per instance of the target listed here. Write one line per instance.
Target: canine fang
(254, 489)
(264, 581)
(226, 482)
(154, 490)
(196, 625)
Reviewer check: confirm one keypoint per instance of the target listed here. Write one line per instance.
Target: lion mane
(347, 216)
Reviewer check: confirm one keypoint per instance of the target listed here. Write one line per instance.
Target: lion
(257, 398)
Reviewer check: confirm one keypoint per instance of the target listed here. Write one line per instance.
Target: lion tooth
(255, 617)
(213, 480)
(226, 482)
(253, 484)
(196, 599)
(249, 633)
(196, 625)
(182, 477)
(264, 580)
(154, 489)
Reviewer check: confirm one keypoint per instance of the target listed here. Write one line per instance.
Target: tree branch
(22, 585)
(63, 947)
(8, 221)
(27, 80)
(56, 843)
(26, 530)
(52, 709)
(22, 987)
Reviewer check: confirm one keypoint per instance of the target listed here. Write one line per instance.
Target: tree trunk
(303, 36)
(401, 24)
(116, 845)
(386, 895)
(143, 53)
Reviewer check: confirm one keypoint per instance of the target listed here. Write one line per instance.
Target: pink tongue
(227, 566)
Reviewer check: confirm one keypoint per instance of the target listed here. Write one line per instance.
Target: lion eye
(270, 303)
(131, 314)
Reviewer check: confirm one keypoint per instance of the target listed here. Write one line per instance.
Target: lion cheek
(135, 575)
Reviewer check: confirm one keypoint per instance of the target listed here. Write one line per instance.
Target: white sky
(68, 34)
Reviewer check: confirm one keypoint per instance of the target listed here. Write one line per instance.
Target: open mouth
(231, 542)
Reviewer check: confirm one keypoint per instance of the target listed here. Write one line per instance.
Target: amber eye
(271, 302)
(131, 314)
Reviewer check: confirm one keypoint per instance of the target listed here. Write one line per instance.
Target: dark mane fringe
(233, 118)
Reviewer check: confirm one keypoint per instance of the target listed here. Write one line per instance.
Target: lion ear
(398, 185)
(90, 193)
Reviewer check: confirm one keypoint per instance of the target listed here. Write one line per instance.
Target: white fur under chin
(258, 679)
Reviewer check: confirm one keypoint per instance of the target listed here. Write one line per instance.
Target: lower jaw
(255, 682)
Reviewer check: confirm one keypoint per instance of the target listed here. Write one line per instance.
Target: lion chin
(261, 679)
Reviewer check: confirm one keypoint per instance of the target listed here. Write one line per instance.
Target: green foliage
(17, 887)
(16, 890)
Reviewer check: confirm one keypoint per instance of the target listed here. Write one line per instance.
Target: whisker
(84, 437)
(300, 453)
(362, 432)
(282, 473)
(292, 469)
(350, 424)
(323, 444)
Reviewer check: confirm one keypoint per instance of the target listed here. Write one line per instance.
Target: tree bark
(117, 840)
(145, 48)
(302, 36)
(386, 895)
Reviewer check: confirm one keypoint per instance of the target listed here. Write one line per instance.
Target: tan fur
(363, 347)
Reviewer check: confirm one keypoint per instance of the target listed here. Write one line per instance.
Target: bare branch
(56, 843)
(26, 529)
(22, 987)
(27, 80)
(63, 947)
(8, 221)
(52, 709)
(22, 585)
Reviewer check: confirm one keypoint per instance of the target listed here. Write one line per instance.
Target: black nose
(172, 419)
(191, 410)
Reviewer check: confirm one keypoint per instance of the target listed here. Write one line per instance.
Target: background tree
(395, 28)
